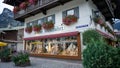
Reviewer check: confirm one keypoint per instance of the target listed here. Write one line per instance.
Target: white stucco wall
(85, 11)
(20, 47)
(92, 6)
(84, 16)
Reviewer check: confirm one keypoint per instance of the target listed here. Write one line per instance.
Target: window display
(66, 46)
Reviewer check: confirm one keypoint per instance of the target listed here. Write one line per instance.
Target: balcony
(41, 6)
(105, 6)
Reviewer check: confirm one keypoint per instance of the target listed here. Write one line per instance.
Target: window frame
(76, 12)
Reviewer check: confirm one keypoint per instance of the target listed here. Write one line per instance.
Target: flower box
(8, 59)
(70, 19)
(98, 20)
(16, 9)
(27, 63)
(37, 28)
(21, 59)
(48, 25)
(23, 5)
(32, 1)
(28, 29)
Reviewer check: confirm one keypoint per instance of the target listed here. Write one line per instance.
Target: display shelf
(57, 56)
(59, 42)
(57, 47)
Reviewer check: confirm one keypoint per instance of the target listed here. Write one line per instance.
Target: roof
(105, 7)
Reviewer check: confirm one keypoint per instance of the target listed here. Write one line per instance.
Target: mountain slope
(7, 18)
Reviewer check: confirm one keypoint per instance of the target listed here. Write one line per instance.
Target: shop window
(73, 11)
(65, 46)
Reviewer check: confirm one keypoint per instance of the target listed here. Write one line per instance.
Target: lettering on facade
(81, 26)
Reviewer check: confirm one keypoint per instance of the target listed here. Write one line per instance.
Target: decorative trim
(53, 36)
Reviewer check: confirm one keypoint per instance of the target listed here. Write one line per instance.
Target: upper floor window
(29, 24)
(49, 22)
(34, 22)
(40, 21)
(49, 18)
(73, 11)
(70, 16)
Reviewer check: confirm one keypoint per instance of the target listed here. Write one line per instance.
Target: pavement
(46, 63)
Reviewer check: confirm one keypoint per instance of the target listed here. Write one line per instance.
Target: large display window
(61, 46)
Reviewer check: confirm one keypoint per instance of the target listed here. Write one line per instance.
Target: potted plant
(98, 20)
(48, 25)
(70, 19)
(33, 1)
(5, 55)
(21, 59)
(16, 9)
(28, 29)
(23, 5)
(37, 27)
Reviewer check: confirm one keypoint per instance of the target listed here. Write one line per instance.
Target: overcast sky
(2, 6)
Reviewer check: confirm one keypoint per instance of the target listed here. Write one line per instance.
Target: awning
(3, 44)
(53, 36)
(105, 35)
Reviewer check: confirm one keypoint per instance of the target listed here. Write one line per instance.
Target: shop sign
(58, 28)
(81, 26)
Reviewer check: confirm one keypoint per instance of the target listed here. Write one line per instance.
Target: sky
(2, 6)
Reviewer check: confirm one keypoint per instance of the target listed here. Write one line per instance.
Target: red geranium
(16, 9)
(48, 25)
(23, 5)
(37, 28)
(70, 19)
(28, 29)
(98, 20)
(32, 1)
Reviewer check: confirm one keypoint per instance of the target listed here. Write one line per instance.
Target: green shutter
(64, 14)
(53, 18)
(76, 11)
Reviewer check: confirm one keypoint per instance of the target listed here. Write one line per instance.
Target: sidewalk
(46, 63)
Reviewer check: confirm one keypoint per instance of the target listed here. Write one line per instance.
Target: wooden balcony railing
(41, 6)
(105, 6)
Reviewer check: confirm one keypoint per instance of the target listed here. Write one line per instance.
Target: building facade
(13, 36)
(53, 28)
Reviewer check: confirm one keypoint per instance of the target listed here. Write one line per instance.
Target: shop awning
(3, 44)
(53, 36)
(105, 35)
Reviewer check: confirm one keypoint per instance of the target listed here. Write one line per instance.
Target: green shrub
(20, 58)
(89, 35)
(99, 55)
(117, 58)
(5, 55)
